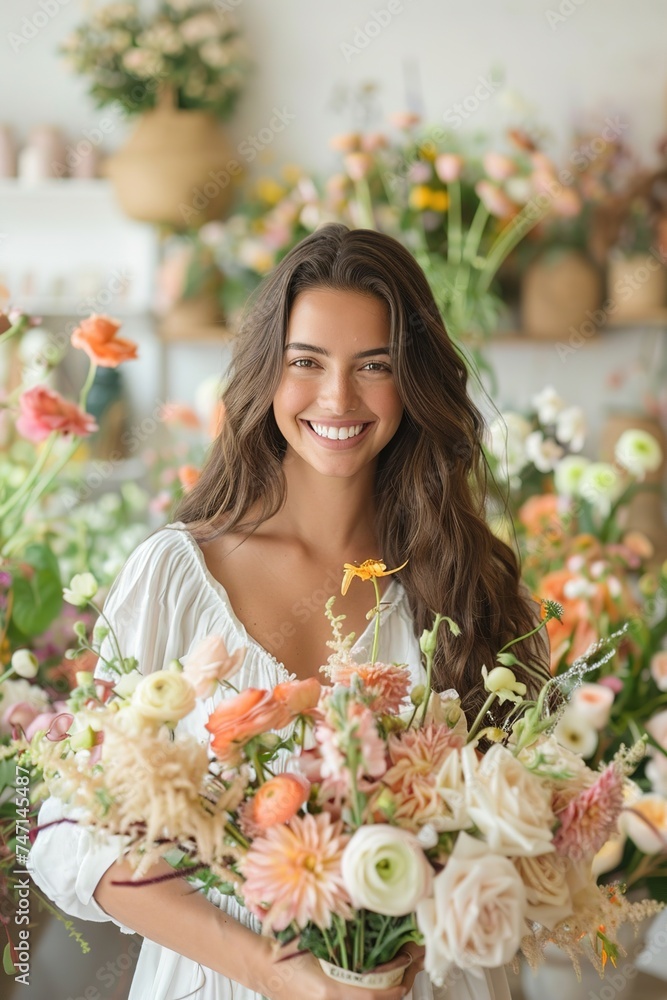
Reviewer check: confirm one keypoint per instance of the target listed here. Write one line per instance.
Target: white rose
(544, 453)
(510, 806)
(548, 895)
(593, 702)
(385, 870)
(164, 696)
(475, 917)
(548, 404)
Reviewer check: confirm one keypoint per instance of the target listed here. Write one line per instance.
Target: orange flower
(540, 514)
(179, 413)
(188, 476)
(97, 337)
(367, 571)
(276, 801)
(387, 683)
(237, 720)
(575, 628)
(298, 697)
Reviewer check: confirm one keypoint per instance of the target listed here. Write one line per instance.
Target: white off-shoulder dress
(163, 600)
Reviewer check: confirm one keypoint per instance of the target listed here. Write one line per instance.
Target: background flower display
(568, 514)
(128, 54)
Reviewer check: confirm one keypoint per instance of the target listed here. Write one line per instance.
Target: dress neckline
(391, 599)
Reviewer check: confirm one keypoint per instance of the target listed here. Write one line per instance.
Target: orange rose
(188, 476)
(540, 513)
(298, 697)
(237, 720)
(277, 800)
(97, 337)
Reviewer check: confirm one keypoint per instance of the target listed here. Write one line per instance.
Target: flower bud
(84, 678)
(25, 663)
(417, 695)
(498, 678)
(83, 740)
(175, 665)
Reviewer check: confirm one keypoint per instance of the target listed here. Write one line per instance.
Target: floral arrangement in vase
(194, 48)
(403, 852)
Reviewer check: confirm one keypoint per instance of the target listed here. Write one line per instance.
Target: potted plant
(180, 70)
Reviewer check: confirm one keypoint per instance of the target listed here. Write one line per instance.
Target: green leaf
(657, 888)
(7, 963)
(37, 598)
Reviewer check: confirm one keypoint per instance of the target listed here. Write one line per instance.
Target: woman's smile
(338, 437)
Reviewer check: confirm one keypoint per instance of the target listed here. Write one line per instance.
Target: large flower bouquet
(186, 44)
(352, 817)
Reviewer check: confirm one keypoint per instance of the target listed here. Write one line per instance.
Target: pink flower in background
(358, 165)
(43, 411)
(498, 166)
(448, 167)
(404, 119)
(388, 683)
(293, 872)
(495, 200)
(179, 413)
(590, 817)
(659, 669)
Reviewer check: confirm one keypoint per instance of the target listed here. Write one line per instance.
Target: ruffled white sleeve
(67, 860)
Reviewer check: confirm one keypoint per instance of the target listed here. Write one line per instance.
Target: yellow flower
(427, 151)
(291, 173)
(269, 190)
(420, 197)
(367, 571)
(439, 201)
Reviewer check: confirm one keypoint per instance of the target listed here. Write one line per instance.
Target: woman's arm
(177, 916)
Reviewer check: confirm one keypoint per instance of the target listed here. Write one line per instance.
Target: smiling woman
(349, 441)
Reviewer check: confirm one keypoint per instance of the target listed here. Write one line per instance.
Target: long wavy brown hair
(431, 478)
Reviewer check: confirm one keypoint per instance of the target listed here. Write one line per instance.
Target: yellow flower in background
(291, 173)
(269, 191)
(427, 151)
(439, 201)
(369, 570)
(420, 197)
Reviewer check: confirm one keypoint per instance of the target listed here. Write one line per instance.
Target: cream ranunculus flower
(475, 917)
(384, 869)
(510, 806)
(164, 696)
(645, 823)
(639, 452)
(547, 891)
(208, 663)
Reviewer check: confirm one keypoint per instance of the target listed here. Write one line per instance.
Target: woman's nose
(339, 394)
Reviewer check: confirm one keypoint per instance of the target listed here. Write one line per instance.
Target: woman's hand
(300, 977)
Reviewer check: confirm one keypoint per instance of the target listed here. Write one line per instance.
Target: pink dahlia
(387, 683)
(293, 872)
(416, 756)
(589, 819)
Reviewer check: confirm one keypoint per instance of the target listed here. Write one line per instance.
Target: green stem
(376, 634)
(481, 715)
(27, 483)
(365, 202)
(522, 637)
(475, 232)
(14, 330)
(341, 942)
(454, 233)
(330, 947)
(502, 246)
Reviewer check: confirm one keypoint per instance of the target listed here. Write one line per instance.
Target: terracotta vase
(637, 285)
(558, 292)
(646, 510)
(176, 167)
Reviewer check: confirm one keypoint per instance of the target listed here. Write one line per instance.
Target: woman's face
(337, 404)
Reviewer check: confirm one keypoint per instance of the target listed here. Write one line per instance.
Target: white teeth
(337, 433)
